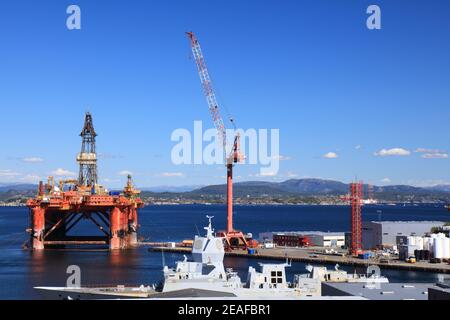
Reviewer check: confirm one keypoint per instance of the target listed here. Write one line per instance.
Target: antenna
(209, 228)
(163, 258)
(196, 228)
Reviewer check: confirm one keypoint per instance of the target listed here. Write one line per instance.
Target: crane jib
(208, 88)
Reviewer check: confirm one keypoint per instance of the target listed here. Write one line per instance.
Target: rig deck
(51, 219)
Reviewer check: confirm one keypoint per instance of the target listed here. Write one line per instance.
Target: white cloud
(291, 175)
(30, 178)
(171, 174)
(281, 158)
(434, 155)
(386, 180)
(278, 175)
(62, 172)
(8, 173)
(32, 159)
(392, 152)
(330, 155)
(426, 183)
(358, 147)
(425, 150)
(266, 174)
(125, 173)
(108, 180)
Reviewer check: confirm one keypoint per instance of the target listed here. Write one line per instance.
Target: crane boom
(208, 88)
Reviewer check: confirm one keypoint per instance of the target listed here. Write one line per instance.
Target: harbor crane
(234, 238)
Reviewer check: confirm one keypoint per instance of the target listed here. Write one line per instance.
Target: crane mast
(234, 238)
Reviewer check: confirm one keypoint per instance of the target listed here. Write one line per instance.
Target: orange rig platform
(57, 209)
(54, 214)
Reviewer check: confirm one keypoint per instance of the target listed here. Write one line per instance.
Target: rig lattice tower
(356, 217)
(87, 158)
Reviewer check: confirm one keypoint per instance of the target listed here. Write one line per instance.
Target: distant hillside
(319, 187)
(314, 186)
(172, 188)
(17, 192)
(242, 189)
(17, 187)
(293, 190)
(440, 187)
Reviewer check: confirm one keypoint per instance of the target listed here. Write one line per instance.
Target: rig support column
(132, 225)
(229, 198)
(115, 225)
(37, 228)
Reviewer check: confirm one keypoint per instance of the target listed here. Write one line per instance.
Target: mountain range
(258, 189)
(315, 187)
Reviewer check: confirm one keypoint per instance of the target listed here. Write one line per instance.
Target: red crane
(234, 238)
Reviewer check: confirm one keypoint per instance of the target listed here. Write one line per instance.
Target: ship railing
(117, 286)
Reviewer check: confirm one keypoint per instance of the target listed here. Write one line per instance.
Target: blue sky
(309, 68)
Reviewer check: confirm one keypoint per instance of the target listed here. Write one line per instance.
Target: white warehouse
(326, 239)
(378, 234)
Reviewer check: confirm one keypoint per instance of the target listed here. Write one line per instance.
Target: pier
(309, 256)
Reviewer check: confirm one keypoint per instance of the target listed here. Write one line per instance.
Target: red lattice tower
(356, 222)
(355, 198)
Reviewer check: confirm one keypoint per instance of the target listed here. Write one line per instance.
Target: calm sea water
(21, 270)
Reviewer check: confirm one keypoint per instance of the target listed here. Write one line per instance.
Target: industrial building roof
(408, 222)
(381, 291)
(318, 233)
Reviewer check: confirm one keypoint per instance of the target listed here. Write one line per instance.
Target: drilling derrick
(59, 207)
(87, 158)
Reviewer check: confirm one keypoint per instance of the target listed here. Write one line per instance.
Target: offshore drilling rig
(58, 208)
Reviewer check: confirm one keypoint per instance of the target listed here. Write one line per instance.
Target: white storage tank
(438, 249)
(446, 248)
(419, 243)
(426, 243)
(431, 244)
(412, 249)
(406, 251)
(411, 241)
